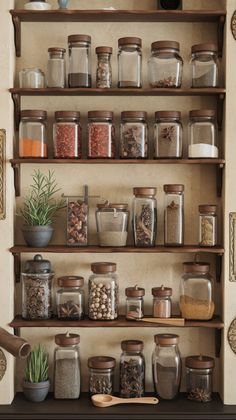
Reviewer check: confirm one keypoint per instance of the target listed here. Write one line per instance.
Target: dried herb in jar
(37, 302)
(132, 379)
(144, 226)
(69, 310)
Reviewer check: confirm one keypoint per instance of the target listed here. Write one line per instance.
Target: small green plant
(37, 365)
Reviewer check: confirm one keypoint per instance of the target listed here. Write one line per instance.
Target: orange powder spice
(32, 148)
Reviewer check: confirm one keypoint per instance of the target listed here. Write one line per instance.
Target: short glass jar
(79, 75)
(203, 133)
(33, 134)
(165, 65)
(104, 71)
(67, 135)
(37, 5)
(144, 216)
(199, 370)
(174, 215)
(162, 303)
(101, 135)
(130, 62)
(112, 224)
(207, 225)
(168, 133)
(77, 221)
(205, 65)
(101, 375)
(56, 69)
(33, 78)
(134, 302)
(132, 369)
(134, 135)
(70, 298)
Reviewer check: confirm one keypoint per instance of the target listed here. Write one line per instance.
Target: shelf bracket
(219, 179)
(16, 100)
(16, 169)
(17, 267)
(220, 110)
(217, 342)
(221, 25)
(16, 331)
(17, 33)
(218, 267)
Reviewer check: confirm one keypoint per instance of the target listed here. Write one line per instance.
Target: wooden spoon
(104, 400)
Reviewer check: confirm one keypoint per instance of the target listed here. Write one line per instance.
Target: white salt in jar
(203, 134)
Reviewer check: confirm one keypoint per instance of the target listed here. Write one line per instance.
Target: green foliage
(37, 365)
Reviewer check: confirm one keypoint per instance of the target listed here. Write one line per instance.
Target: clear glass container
(130, 62)
(77, 221)
(167, 365)
(133, 135)
(112, 224)
(144, 216)
(174, 215)
(103, 302)
(196, 292)
(79, 61)
(33, 134)
(67, 135)
(205, 66)
(132, 369)
(168, 133)
(101, 135)
(162, 303)
(67, 367)
(165, 65)
(33, 78)
(37, 5)
(56, 69)
(203, 134)
(134, 302)
(104, 71)
(70, 297)
(207, 225)
(199, 381)
(101, 375)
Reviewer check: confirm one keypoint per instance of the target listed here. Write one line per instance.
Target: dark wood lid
(161, 291)
(173, 188)
(134, 114)
(196, 267)
(134, 291)
(132, 345)
(103, 267)
(159, 45)
(79, 38)
(205, 47)
(117, 206)
(101, 362)
(33, 113)
(70, 281)
(175, 115)
(75, 115)
(130, 40)
(101, 114)
(199, 362)
(57, 49)
(103, 50)
(202, 113)
(166, 339)
(67, 339)
(145, 191)
(207, 208)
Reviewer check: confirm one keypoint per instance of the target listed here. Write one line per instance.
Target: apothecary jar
(134, 302)
(174, 214)
(168, 134)
(132, 369)
(112, 224)
(70, 297)
(101, 135)
(101, 375)
(104, 71)
(203, 134)
(33, 134)
(56, 68)
(205, 65)
(144, 216)
(199, 370)
(162, 303)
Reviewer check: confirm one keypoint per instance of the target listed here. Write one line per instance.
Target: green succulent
(37, 365)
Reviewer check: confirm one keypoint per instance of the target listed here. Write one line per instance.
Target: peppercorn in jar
(101, 135)
(67, 135)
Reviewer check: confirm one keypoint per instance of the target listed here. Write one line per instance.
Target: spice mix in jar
(161, 302)
(207, 225)
(101, 135)
(134, 302)
(174, 214)
(101, 375)
(199, 381)
(168, 134)
(67, 135)
(104, 72)
(144, 216)
(132, 369)
(70, 297)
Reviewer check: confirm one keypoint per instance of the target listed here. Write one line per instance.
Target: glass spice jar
(56, 69)
(70, 298)
(112, 221)
(174, 215)
(132, 369)
(207, 225)
(161, 302)
(101, 135)
(33, 134)
(168, 133)
(79, 61)
(134, 302)
(33, 78)
(101, 375)
(133, 135)
(205, 65)
(199, 370)
(104, 72)
(130, 62)
(77, 221)
(203, 133)
(144, 216)
(67, 135)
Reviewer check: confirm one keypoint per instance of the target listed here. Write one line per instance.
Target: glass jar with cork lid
(130, 62)
(104, 72)
(112, 221)
(199, 381)
(134, 302)
(203, 134)
(134, 135)
(33, 134)
(161, 302)
(144, 216)
(101, 135)
(207, 225)
(79, 75)
(67, 135)
(101, 375)
(174, 215)
(70, 297)
(56, 69)
(132, 369)
(168, 135)
(205, 65)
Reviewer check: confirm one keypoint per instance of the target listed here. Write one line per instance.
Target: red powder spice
(67, 141)
(101, 140)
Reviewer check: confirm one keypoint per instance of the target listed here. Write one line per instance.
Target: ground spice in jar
(67, 135)
(67, 381)
(161, 302)
(173, 221)
(167, 387)
(208, 225)
(101, 135)
(77, 223)
(196, 308)
(32, 148)
(168, 134)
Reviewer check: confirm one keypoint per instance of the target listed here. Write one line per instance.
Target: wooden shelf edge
(214, 161)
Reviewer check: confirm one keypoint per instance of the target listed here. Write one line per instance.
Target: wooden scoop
(104, 400)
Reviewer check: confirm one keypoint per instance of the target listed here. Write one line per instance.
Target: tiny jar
(134, 135)
(101, 375)
(77, 221)
(33, 78)
(165, 65)
(174, 215)
(104, 71)
(36, 289)
(70, 297)
(33, 134)
(203, 134)
(166, 363)
(132, 369)
(207, 225)
(67, 135)
(103, 301)
(205, 66)
(101, 135)
(130, 62)
(196, 292)
(37, 5)
(79, 75)
(67, 367)
(56, 68)
(144, 216)
(199, 381)
(134, 302)
(112, 221)
(162, 303)
(168, 132)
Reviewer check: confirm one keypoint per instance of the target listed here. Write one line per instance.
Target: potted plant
(36, 382)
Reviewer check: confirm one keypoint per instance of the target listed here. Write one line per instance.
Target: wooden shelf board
(119, 161)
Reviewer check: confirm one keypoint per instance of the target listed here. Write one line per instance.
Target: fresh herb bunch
(37, 365)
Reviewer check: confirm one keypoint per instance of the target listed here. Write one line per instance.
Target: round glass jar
(132, 369)
(134, 135)
(203, 133)
(79, 75)
(130, 62)
(101, 135)
(56, 69)
(207, 225)
(174, 215)
(144, 216)
(205, 65)
(161, 302)
(33, 134)
(103, 301)
(104, 71)
(67, 135)
(70, 297)
(112, 224)
(134, 302)
(101, 375)
(168, 133)
(33, 78)
(199, 370)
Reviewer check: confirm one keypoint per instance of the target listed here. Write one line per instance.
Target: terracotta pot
(35, 391)
(37, 236)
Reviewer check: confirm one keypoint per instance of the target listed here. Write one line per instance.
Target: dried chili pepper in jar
(101, 134)
(67, 135)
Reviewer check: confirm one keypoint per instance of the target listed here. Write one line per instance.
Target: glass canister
(144, 216)
(103, 292)
(130, 62)
(165, 65)
(168, 133)
(70, 297)
(101, 375)
(203, 133)
(101, 135)
(161, 302)
(33, 134)
(205, 65)
(33, 78)
(77, 221)
(67, 367)
(196, 292)
(133, 135)
(56, 69)
(132, 369)
(79, 61)
(166, 362)
(207, 225)
(199, 370)
(104, 72)
(67, 135)
(112, 224)
(36, 289)
(134, 302)
(174, 215)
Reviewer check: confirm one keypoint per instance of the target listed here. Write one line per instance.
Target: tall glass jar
(207, 225)
(205, 65)
(166, 364)
(70, 297)
(161, 302)
(67, 135)
(33, 134)
(133, 135)
(132, 369)
(174, 215)
(56, 70)
(103, 302)
(199, 377)
(101, 135)
(67, 367)
(101, 375)
(112, 224)
(77, 221)
(196, 292)
(130, 62)
(104, 72)
(203, 133)
(79, 61)
(168, 133)
(134, 302)
(165, 65)
(144, 216)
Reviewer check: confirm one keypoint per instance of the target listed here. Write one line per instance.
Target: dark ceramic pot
(35, 391)
(37, 236)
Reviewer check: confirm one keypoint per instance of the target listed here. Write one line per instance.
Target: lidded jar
(207, 225)
(133, 135)
(70, 297)
(203, 133)
(205, 65)
(77, 221)
(161, 302)
(132, 369)
(199, 370)
(168, 134)
(67, 135)
(112, 224)
(32, 78)
(130, 62)
(79, 61)
(144, 216)
(134, 302)
(56, 69)
(174, 214)
(101, 375)
(33, 134)
(101, 135)
(104, 71)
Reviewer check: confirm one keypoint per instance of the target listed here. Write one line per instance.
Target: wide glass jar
(67, 367)
(33, 134)
(144, 216)
(203, 133)
(130, 62)
(166, 364)
(174, 215)
(79, 61)
(168, 133)
(56, 69)
(133, 135)
(33, 78)
(103, 304)
(104, 71)
(37, 5)
(101, 135)
(162, 303)
(132, 369)
(196, 292)
(112, 224)
(165, 65)
(101, 375)
(77, 221)
(70, 297)
(199, 370)
(207, 225)
(134, 302)
(67, 135)
(205, 65)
